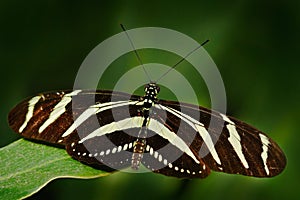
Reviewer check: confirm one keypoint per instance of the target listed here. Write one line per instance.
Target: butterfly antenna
(135, 51)
(182, 59)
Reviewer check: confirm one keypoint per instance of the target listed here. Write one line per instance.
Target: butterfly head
(151, 91)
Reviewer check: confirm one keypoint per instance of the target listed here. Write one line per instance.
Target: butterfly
(111, 130)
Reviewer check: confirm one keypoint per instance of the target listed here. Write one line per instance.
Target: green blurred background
(255, 45)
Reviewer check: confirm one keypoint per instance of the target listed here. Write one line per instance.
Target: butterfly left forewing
(50, 116)
(28, 117)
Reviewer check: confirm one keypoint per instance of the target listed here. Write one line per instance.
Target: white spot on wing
(147, 148)
(31, 104)
(264, 155)
(159, 158)
(151, 151)
(114, 150)
(165, 162)
(119, 148)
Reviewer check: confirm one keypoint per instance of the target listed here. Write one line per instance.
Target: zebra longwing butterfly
(152, 125)
(112, 130)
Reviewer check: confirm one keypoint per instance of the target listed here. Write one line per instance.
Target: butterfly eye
(157, 89)
(146, 87)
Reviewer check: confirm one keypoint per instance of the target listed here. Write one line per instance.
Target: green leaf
(26, 167)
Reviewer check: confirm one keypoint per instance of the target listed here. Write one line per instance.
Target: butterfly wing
(223, 143)
(52, 117)
(183, 140)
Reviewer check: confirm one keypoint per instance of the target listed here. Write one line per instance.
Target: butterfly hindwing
(111, 151)
(169, 160)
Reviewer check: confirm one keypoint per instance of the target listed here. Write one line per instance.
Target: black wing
(100, 129)
(48, 116)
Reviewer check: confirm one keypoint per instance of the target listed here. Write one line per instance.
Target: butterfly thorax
(151, 91)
